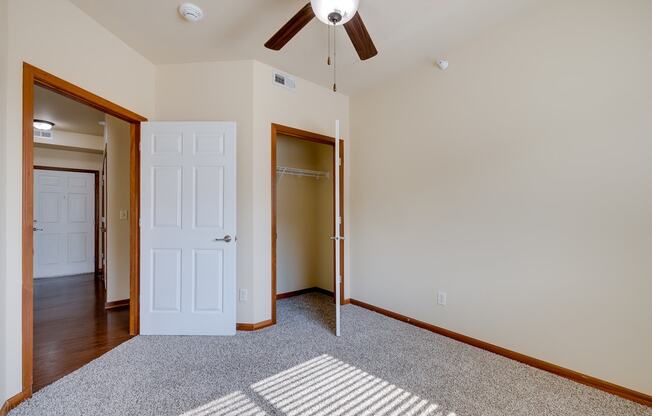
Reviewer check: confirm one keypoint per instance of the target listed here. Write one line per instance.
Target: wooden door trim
(96, 228)
(63, 87)
(316, 138)
(11, 403)
(34, 76)
(302, 134)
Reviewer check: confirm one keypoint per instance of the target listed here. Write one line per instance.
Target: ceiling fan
(333, 13)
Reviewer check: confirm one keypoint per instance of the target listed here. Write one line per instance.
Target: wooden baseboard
(303, 292)
(122, 303)
(294, 293)
(254, 327)
(14, 401)
(606, 386)
(322, 291)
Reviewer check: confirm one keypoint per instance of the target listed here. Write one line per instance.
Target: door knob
(226, 239)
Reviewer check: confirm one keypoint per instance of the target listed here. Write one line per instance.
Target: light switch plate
(441, 298)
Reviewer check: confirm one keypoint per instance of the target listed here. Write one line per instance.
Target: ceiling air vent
(285, 81)
(43, 134)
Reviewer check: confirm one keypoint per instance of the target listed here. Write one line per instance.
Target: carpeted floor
(378, 367)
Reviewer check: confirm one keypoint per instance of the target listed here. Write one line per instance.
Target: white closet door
(188, 228)
(338, 220)
(64, 223)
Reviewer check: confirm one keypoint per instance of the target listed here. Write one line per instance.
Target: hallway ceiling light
(43, 125)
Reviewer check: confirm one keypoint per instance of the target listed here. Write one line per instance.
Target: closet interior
(304, 217)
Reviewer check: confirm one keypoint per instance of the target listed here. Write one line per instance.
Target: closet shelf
(285, 170)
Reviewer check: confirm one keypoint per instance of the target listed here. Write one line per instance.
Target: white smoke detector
(190, 12)
(442, 64)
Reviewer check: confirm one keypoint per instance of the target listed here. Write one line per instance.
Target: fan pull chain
(328, 61)
(334, 61)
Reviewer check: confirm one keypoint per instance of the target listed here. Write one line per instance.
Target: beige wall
(61, 158)
(243, 91)
(519, 182)
(117, 199)
(304, 217)
(3, 235)
(77, 49)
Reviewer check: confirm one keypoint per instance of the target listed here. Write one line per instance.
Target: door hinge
(339, 161)
(339, 220)
(140, 222)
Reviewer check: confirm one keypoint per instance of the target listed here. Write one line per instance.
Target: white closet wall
(304, 257)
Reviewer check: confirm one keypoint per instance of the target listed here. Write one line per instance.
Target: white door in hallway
(64, 223)
(188, 228)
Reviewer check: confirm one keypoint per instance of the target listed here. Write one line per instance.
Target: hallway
(71, 326)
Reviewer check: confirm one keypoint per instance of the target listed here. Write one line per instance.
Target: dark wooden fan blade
(360, 37)
(291, 28)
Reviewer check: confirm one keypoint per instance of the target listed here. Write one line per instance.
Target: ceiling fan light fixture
(335, 12)
(43, 124)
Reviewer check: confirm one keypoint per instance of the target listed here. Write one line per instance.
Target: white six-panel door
(64, 223)
(188, 228)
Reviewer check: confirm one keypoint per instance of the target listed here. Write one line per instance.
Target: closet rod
(285, 170)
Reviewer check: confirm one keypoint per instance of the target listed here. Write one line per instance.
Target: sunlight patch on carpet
(325, 386)
(234, 404)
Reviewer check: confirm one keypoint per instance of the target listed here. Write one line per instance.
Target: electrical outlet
(124, 214)
(243, 295)
(441, 298)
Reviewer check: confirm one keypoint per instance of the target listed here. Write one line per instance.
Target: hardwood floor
(71, 327)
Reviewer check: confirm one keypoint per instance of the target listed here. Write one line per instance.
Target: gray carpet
(379, 367)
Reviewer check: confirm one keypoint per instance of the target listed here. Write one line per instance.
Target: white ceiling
(66, 114)
(406, 32)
